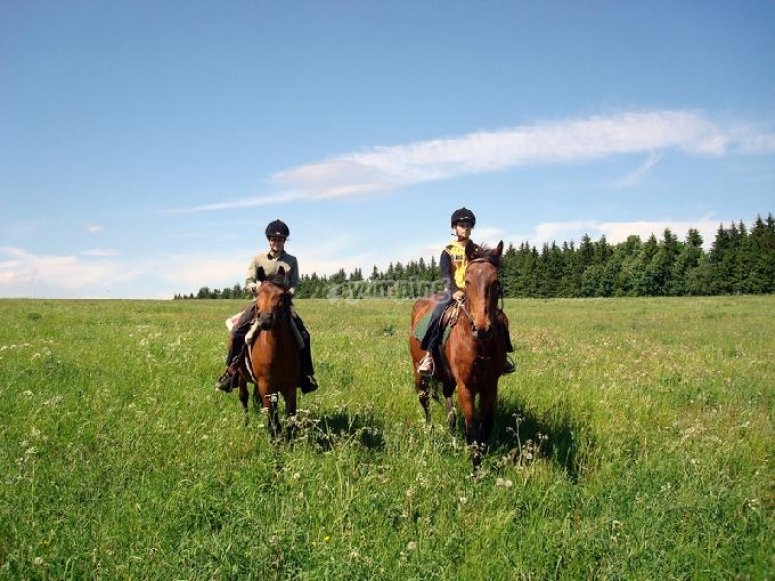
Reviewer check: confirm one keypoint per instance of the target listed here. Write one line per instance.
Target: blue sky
(145, 145)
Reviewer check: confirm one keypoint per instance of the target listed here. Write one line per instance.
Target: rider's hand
(458, 295)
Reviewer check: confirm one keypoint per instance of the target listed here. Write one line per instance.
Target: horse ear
(498, 249)
(261, 274)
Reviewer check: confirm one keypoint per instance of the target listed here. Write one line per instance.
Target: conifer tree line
(740, 261)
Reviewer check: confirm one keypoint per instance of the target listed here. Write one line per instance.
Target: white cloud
(615, 232)
(26, 274)
(94, 228)
(189, 271)
(381, 169)
(570, 141)
(99, 275)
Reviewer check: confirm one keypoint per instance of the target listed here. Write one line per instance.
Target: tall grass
(634, 441)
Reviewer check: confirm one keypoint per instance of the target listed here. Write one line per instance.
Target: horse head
(483, 289)
(273, 300)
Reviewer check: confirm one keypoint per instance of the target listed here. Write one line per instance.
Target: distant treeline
(740, 261)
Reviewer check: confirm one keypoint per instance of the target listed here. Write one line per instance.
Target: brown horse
(274, 364)
(474, 356)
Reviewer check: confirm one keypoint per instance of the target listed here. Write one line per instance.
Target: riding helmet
(463, 214)
(277, 228)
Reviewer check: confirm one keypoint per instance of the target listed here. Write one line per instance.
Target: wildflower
(411, 546)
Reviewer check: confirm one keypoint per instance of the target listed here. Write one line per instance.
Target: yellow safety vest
(457, 253)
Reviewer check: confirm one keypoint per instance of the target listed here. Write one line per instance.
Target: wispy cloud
(267, 200)
(93, 228)
(638, 175)
(101, 252)
(570, 141)
(381, 169)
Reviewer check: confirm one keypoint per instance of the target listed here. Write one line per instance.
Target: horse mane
(483, 252)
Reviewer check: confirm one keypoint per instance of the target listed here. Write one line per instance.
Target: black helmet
(277, 228)
(463, 214)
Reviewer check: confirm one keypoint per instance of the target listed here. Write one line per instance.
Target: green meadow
(635, 441)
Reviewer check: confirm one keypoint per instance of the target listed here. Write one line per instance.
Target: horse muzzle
(483, 333)
(266, 322)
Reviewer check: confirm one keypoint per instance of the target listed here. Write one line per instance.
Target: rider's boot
(426, 365)
(227, 381)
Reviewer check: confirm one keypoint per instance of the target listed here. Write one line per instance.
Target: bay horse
(273, 364)
(473, 357)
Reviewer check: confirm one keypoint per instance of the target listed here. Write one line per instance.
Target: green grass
(634, 441)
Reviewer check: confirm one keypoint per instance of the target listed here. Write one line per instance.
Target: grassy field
(634, 442)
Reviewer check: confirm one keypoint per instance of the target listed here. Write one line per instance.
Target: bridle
(462, 306)
(279, 313)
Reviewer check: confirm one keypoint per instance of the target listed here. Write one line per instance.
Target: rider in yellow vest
(453, 263)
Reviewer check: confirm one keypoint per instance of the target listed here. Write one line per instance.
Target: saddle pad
(421, 328)
(231, 321)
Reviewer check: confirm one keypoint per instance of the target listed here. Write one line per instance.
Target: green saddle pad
(422, 327)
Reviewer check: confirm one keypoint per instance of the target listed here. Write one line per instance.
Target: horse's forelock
(487, 254)
(277, 280)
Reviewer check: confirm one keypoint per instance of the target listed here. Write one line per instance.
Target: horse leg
(466, 401)
(451, 414)
(290, 412)
(424, 389)
(243, 397)
(258, 402)
(274, 418)
(268, 403)
(487, 403)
